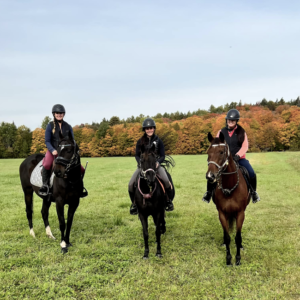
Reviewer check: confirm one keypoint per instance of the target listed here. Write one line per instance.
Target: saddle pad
(36, 176)
(245, 172)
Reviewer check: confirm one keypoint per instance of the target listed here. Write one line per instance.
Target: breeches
(245, 163)
(160, 171)
(49, 159)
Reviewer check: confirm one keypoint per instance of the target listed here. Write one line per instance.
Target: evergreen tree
(45, 122)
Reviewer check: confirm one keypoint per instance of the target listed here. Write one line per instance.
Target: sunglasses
(59, 113)
(149, 128)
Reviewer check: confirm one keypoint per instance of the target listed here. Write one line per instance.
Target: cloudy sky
(124, 58)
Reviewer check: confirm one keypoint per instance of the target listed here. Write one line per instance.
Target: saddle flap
(36, 176)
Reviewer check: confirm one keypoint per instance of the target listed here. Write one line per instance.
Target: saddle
(36, 176)
(246, 175)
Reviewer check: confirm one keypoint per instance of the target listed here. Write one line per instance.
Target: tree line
(270, 126)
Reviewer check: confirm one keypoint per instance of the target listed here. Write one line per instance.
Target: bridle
(68, 163)
(223, 167)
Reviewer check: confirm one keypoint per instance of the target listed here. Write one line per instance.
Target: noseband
(223, 167)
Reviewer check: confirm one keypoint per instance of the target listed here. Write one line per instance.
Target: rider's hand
(54, 152)
(236, 158)
(157, 165)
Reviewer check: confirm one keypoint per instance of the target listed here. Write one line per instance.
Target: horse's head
(218, 154)
(148, 164)
(67, 156)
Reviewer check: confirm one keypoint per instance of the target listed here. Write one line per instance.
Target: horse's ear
(221, 137)
(210, 137)
(152, 149)
(60, 135)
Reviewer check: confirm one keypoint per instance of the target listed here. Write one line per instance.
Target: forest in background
(270, 126)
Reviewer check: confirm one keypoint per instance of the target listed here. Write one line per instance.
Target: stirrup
(207, 194)
(44, 193)
(170, 206)
(257, 197)
(133, 209)
(84, 193)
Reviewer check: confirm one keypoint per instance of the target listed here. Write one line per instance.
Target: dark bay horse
(231, 196)
(150, 198)
(67, 185)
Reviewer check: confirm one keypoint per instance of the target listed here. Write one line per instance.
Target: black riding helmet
(58, 108)
(148, 123)
(233, 114)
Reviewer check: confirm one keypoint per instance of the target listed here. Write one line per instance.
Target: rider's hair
(54, 125)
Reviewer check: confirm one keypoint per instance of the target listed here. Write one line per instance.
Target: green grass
(105, 261)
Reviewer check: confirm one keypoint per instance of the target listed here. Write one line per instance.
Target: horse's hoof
(64, 250)
(159, 255)
(145, 257)
(238, 263)
(69, 245)
(229, 264)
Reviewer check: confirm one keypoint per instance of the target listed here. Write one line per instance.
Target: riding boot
(44, 190)
(170, 205)
(208, 194)
(133, 209)
(254, 194)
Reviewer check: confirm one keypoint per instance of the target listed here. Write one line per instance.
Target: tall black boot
(254, 194)
(208, 194)
(133, 209)
(44, 190)
(170, 193)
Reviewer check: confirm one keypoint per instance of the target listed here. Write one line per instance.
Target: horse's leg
(45, 215)
(28, 195)
(62, 225)
(144, 221)
(224, 223)
(238, 238)
(157, 221)
(71, 212)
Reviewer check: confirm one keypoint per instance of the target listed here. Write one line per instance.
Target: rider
(236, 138)
(52, 142)
(148, 139)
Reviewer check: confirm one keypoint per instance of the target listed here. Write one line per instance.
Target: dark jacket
(235, 142)
(159, 148)
(52, 140)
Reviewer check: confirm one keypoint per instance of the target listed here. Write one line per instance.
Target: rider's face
(149, 131)
(231, 123)
(59, 116)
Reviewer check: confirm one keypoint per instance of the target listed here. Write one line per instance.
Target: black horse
(67, 186)
(150, 198)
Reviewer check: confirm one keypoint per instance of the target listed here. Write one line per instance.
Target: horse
(67, 185)
(231, 196)
(150, 198)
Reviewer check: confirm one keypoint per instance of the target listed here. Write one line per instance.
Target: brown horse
(231, 195)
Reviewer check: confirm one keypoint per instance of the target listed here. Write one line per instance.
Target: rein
(221, 170)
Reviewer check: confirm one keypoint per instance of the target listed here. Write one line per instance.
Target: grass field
(105, 261)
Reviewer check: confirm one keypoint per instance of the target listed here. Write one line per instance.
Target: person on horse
(236, 138)
(52, 142)
(148, 139)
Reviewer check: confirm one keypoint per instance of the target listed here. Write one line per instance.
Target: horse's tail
(231, 223)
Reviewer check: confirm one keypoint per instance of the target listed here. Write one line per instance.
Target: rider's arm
(161, 150)
(244, 147)
(71, 130)
(218, 134)
(48, 134)
(138, 151)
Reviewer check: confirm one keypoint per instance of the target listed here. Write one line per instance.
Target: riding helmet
(148, 123)
(58, 108)
(233, 114)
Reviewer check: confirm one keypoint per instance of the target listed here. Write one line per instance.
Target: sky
(122, 58)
